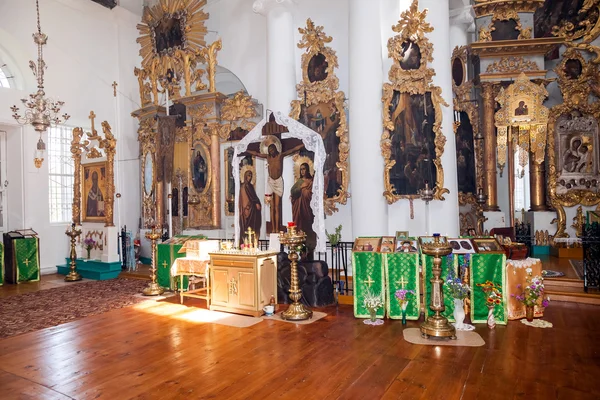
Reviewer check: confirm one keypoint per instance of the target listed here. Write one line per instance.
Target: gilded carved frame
(147, 140)
(576, 93)
(81, 147)
(412, 27)
(314, 40)
(504, 14)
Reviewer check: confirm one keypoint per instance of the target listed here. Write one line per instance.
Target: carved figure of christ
(274, 159)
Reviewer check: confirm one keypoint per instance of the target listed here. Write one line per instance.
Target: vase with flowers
(532, 294)
(372, 303)
(403, 298)
(459, 292)
(89, 244)
(493, 298)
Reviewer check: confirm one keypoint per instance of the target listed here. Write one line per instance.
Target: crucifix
(114, 85)
(91, 117)
(401, 282)
(369, 281)
(274, 150)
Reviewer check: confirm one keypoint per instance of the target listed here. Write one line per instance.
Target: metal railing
(591, 256)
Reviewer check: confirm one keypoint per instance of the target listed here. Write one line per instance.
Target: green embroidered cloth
(26, 261)
(368, 275)
(447, 262)
(488, 267)
(402, 272)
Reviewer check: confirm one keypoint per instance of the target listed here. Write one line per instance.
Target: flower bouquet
(533, 294)
(459, 292)
(89, 244)
(372, 303)
(493, 298)
(402, 296)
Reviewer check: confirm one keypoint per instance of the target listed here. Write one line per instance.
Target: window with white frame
(521, 194)
(4, 76)
(60, 173)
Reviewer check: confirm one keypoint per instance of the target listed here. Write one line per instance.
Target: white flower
(528, 270)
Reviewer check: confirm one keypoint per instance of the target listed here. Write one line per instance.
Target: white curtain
(313, 142)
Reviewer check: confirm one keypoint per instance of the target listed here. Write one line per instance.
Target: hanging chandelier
(40, 111)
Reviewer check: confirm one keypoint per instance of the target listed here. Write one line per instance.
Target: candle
(291, 224)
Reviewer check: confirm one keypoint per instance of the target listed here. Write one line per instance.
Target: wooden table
(516, 274)
(243, 282)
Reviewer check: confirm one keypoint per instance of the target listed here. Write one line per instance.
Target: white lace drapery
(313, 142)
(526, 263)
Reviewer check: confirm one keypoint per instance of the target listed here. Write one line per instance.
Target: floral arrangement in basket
(456, 287)
(532, 294)
(493, 294)
(89, 244)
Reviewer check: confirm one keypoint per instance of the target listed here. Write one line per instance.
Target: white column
(462, 21)
(369, 207)
(443, 214)
(281, 75)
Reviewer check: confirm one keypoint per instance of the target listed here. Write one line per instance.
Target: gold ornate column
(510, 160)
(489, 149)
(215, 156)
(537, 185)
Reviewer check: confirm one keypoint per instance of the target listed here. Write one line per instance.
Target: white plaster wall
(89, 47)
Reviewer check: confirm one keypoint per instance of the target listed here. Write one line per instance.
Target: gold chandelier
(40, 111)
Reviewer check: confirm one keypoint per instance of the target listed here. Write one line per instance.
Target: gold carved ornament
(325, 91)
(504, 14)
(463, 102)
(512, 64)
(79, 146)
(527, 97)
(575, 101)
(411, 27)
(490, 7)
(147, 140)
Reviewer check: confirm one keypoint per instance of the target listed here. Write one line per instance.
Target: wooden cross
(369, 281)
(402, 282)
(26, 262)
(91, 117)
(114, 85)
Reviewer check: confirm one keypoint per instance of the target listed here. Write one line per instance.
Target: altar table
(516, 274)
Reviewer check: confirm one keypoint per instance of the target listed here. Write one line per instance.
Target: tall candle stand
(481, 218)
(437, 325)
(73, 275)
(294, 239)
(153, 288)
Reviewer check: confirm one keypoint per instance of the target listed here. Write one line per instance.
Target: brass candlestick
(153, 289)
(73, 275)
(481, 218)
(296, 311)
(437, 325)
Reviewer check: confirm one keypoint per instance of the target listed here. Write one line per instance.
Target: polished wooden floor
(150, 352)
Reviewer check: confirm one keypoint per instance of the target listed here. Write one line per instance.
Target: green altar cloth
(402, 272)
(488, 267)
(167, 252)
(447, 262)
(26, 261)
(368, 275)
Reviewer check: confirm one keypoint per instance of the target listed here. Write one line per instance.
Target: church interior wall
(97, 48)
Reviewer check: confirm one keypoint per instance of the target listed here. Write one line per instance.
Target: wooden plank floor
(153, 352)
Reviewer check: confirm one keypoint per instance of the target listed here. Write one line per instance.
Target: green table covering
(368, 275)
(488, 267)
(402, 272)
(167, 252)
(450, 261)
(26, 261)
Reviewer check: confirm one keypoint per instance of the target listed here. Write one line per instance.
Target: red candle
(291, 224)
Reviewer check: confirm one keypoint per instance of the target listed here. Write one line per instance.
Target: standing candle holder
(73, 275)
(437, 325)
(294, 239)
(481, 200)
(153, 288)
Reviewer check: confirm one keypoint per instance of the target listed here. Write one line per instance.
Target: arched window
(5, 75)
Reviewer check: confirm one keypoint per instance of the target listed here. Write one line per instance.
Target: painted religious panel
(321, 108)
(413, 147)
(200, 168)
(465, 156)
(249, 202)
(301, 195)
(412, 142)
(94, 191)
(229, 180)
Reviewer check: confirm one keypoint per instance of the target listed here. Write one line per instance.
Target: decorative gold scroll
(588, 28)
(80, 147)
(504, 14)
(411, 27)
(576, 105)
(501, 144)
(524, 146)
(324, 90)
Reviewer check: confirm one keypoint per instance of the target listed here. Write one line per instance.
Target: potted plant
(334, 238)
(459, 292)
(493, 298)
(403, 298)
(532, 294)
(89, 244)
(372, 303)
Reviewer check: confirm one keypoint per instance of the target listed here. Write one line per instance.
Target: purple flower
(545, 303)
(519, 286)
